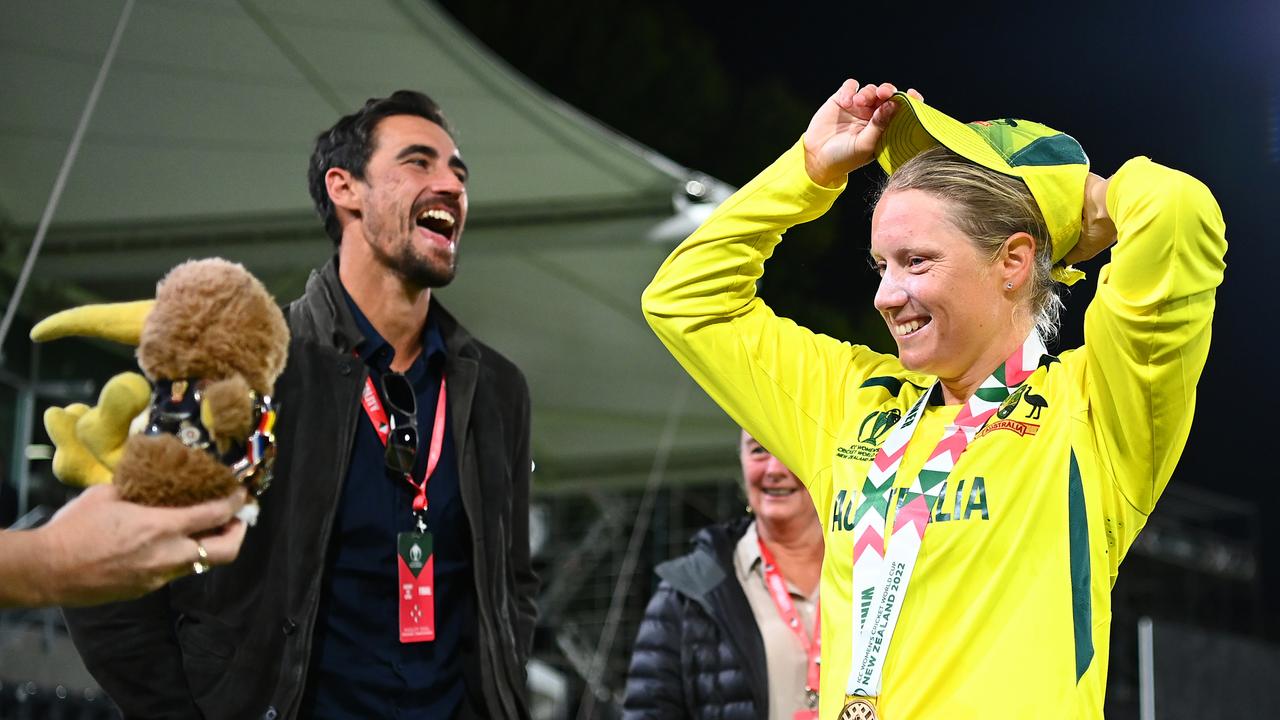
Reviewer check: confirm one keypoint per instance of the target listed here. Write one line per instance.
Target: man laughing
(389, 575)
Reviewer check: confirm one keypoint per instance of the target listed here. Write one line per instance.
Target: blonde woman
(976, 493)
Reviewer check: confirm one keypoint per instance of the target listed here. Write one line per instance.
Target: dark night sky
(725, 87)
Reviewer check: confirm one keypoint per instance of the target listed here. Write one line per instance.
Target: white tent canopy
(199, 143)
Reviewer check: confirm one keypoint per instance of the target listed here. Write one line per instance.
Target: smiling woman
(731, 631)
(976, 493)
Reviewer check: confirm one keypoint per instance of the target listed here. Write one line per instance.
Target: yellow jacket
(1008, 612)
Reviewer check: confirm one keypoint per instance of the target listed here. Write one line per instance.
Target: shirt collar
(375, 351)
(747, 552)
(747, 556)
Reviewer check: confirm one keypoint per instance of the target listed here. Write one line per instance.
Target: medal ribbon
(787, 610)
(880, 579)
(373, 409)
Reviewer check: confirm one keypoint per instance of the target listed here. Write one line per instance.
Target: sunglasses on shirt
(402, 437)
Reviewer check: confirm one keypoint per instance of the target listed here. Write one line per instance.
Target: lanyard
(787, 609)
(880, 577)
(373, 409)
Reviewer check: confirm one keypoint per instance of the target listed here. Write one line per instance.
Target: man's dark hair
(349, 143)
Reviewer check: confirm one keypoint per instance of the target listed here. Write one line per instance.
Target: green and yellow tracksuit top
(1008, 612)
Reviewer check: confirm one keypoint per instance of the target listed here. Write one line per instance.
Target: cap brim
(1057, 189)
(916, 127)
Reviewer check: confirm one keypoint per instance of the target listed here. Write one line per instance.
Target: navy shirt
(359, 667)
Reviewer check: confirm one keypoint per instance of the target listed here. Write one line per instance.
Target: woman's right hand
(842, 135)
(100, 548)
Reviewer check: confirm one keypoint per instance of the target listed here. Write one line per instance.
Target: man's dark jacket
(235, 643)
(698, 653)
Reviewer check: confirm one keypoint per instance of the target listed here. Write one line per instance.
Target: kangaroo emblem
(1037, 403)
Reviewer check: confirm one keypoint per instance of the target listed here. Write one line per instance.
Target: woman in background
(731, 630)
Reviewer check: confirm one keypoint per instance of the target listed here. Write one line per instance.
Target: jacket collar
(324, 313)
(709, 563)
(332, 323)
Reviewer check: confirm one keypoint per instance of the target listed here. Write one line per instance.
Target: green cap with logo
(1051, 163)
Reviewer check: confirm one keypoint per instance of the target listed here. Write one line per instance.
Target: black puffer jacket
(699, 653)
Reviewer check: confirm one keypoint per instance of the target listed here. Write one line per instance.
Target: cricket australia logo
(1004, 419)
(871, 433)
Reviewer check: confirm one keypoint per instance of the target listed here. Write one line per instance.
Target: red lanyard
(787, 609)
(378, 416)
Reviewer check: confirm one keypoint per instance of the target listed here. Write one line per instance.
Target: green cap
(1051, 163)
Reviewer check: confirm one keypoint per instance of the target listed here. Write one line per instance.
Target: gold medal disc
(860, 709)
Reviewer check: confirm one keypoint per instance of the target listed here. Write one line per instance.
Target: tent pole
(72, 150)
(23, 418)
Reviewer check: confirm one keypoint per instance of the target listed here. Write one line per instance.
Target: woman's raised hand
(842, 135)
(1097, 230)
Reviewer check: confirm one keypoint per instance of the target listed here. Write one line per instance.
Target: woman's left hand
(1097, 231)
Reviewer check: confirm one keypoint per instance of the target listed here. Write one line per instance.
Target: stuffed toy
(212, 344)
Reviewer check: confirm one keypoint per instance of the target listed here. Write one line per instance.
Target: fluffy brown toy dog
(212, 344)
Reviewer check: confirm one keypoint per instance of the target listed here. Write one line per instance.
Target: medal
(858, 709)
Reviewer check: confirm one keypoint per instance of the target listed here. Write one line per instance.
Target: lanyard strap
(880, 578)
(373, 409)
(787, 610)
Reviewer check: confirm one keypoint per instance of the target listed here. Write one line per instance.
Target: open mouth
(909, 328)
(779, 491)
(438, 220)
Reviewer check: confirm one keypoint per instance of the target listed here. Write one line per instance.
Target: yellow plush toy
(212, 344)
(90, 440)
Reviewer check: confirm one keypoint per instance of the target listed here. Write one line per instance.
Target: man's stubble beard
(435, 270)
